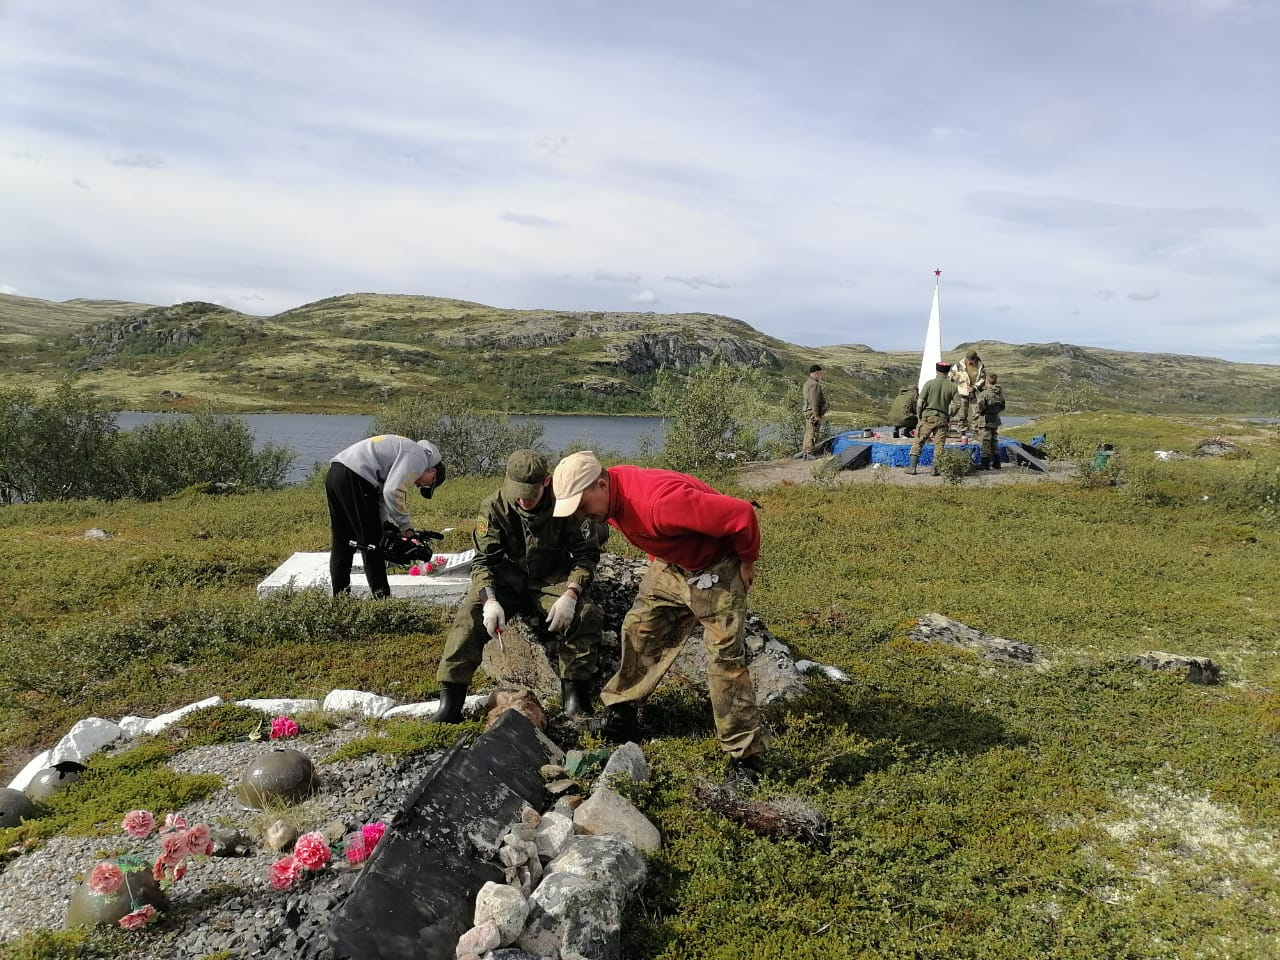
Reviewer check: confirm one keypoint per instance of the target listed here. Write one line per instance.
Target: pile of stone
(568, 873)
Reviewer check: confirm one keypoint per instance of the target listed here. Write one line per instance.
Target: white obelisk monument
(933, 336)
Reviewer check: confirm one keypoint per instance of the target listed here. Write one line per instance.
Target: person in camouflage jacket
(527, 561)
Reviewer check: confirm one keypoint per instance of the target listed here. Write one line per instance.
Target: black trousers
(354, 517)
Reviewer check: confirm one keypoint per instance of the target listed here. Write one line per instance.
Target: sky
(1098, 172)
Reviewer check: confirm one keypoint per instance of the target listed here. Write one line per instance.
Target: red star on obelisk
(938, 273)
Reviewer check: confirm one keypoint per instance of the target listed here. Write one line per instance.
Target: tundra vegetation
(1085, 809)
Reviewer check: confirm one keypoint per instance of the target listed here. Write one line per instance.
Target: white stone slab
(85, 739)
(304, 570)
(173, 716)
(358, 701)
(134, 726)
(427, 707)
(280, 705)
(28, 773)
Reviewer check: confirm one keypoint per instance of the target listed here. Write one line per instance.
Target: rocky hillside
(354, 352)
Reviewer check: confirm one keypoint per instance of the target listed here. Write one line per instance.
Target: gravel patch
(227, 903)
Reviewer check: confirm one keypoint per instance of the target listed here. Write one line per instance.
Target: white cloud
(644, 298)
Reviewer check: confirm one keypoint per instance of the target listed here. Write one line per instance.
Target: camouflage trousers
(666, 610)
(812, 435)
(933, 429)
(575, 651)
(990, 443)
(963, 416)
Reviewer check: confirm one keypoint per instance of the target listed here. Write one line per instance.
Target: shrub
(472, 443)
(53, 448)
(158, 459)
(953, 465)
(714, 413)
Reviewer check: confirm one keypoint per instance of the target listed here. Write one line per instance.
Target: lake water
(316, 437)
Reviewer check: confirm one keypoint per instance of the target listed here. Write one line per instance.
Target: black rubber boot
(452, 698)
(995, 463)
(911, 467)
(575, 698)
(621, 723)
(984, 463)
(744, 772)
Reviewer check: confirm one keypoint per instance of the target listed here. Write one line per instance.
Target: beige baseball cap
(572, 475)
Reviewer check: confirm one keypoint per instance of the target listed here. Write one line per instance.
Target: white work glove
(561, 614)
(703, 581)
(495, 618)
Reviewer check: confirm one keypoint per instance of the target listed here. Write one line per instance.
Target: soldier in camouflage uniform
(990, 403)
(527, 561)
(703, 548)
(902, 414)
(934, 405)
(970, 376)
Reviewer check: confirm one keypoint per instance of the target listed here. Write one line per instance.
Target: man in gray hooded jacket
(367, 489)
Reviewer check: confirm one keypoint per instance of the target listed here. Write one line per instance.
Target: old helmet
(278, 776)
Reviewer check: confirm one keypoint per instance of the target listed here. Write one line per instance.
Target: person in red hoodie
(703, 547)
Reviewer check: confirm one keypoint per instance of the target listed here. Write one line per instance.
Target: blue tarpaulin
(897, 453)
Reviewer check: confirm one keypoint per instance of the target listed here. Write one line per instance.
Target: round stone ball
(49, 781)
(15, 806)
(278, 776)
(88, 908)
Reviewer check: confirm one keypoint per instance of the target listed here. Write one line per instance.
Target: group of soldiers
(538, 541)
(963, 398)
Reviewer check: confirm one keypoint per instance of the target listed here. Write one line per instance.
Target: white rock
(504, 906)
(836, 674)
(28, 773)
(807, 666)
(280, 705)
(553, 833)
(133, 726)
(478, 941)
(607, 812)
(358, 701)
(423, 709)
(173, 716)
(85, 739)
(96, 533)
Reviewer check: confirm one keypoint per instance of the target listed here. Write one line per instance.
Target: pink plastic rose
(106, 879)
(173, 847)
(139, 823)
(372, 833)
(139, 918)
(357, 851)
(199, 840)
(311, 850)
(284, 872)
(173, 822)
(283, 727)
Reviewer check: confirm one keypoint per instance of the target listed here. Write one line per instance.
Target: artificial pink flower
(139, 918)
(199, 840)
(139, 823)
(284, 872)
(415, 570)
(372, 833)
(179, 871)
(173, 847)
(106, 879)
(173, 822)
(357, 851)
(283, 727)
(311, 850)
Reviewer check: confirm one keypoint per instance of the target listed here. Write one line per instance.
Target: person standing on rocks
(527, 561)
(990, 404)
(367, 489)
(934, 404)
(815, 409)
(703, 547)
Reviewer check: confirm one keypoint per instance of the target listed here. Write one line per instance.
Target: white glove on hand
(561, 614)
(495, 618)
(704, 581)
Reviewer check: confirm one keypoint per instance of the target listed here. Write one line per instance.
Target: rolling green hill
(355, 352)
